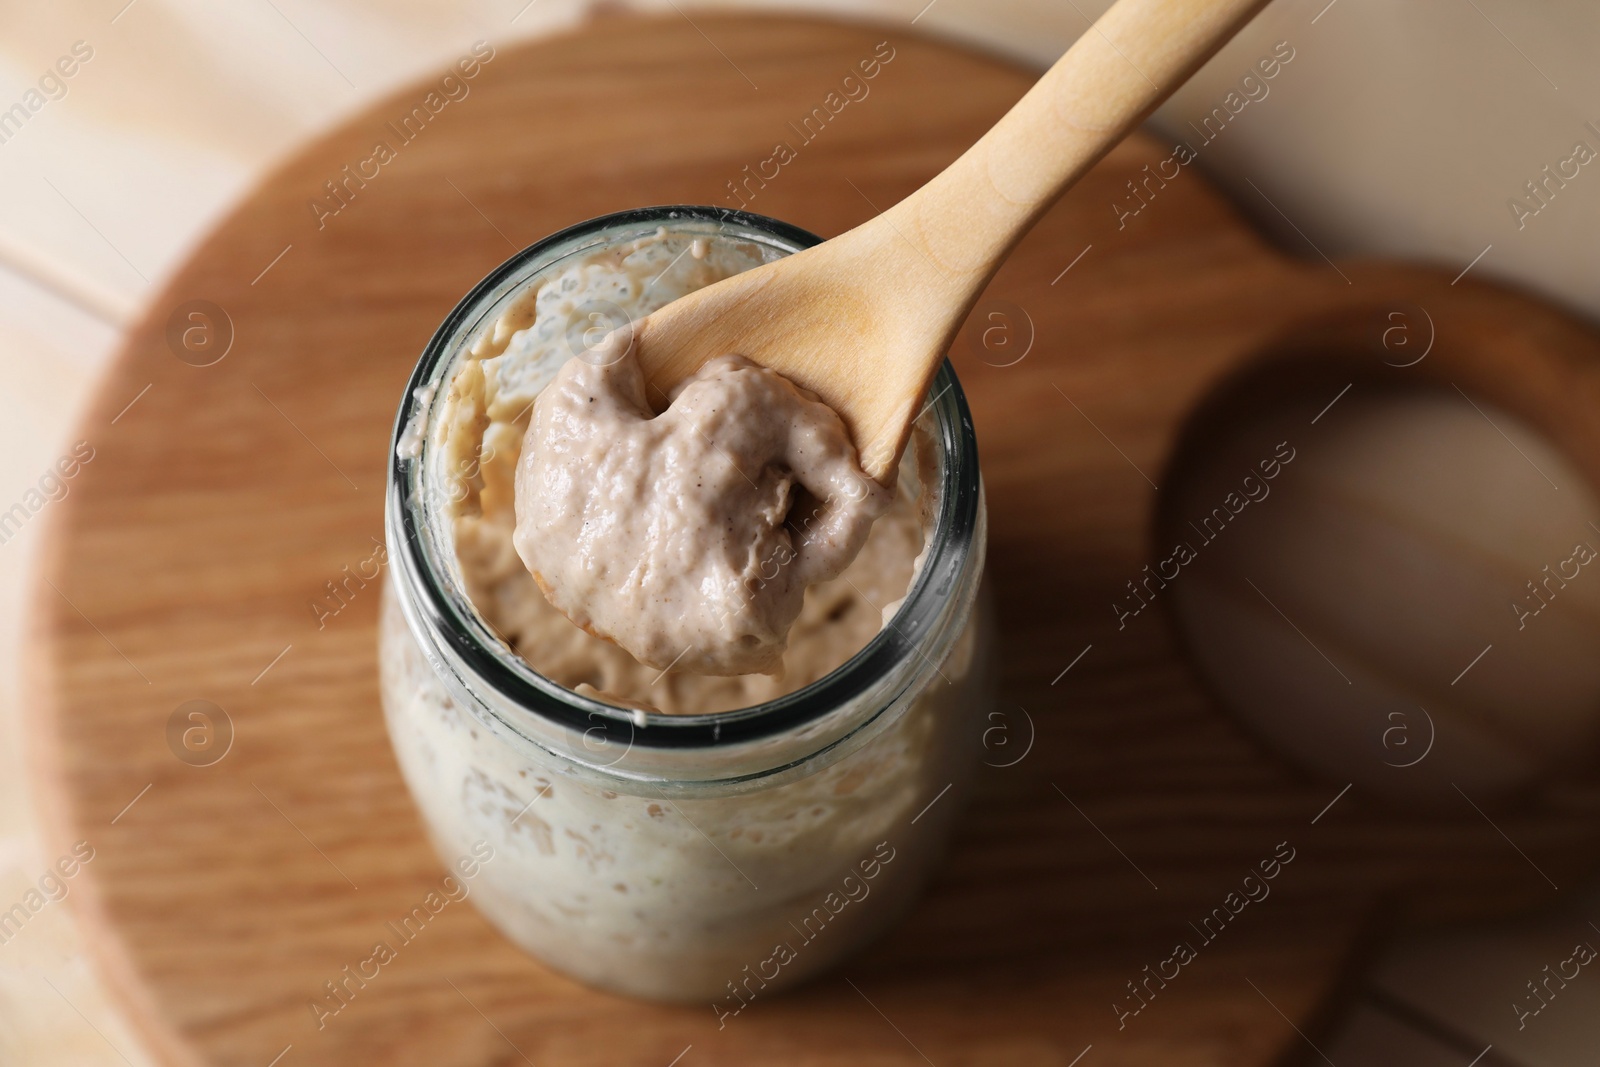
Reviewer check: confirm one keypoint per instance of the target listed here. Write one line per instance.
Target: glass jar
(691, 856)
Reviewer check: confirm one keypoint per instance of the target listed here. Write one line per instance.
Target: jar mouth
(455, 622)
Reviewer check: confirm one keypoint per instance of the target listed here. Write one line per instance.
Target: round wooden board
(187, 559)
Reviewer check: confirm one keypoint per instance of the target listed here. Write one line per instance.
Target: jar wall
(706, 899)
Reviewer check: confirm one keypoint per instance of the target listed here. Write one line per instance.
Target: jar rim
(950, 541)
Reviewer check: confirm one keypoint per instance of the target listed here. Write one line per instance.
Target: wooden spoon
(864, 320)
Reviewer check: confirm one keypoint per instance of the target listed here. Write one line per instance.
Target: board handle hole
(1391, 580)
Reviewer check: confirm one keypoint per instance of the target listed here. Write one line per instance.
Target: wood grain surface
(186, 559)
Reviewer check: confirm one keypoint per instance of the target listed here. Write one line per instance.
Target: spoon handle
(929, 257)
(968, 217)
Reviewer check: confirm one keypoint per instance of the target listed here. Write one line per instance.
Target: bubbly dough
(485, 414)
(688, 538)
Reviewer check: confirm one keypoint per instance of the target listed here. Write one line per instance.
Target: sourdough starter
(667, 898)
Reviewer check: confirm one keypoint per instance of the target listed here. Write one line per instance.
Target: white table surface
(1403, 127)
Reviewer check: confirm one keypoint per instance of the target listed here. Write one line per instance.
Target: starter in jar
(712, 557)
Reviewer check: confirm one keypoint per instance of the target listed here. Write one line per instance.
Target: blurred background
(1407, 129)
